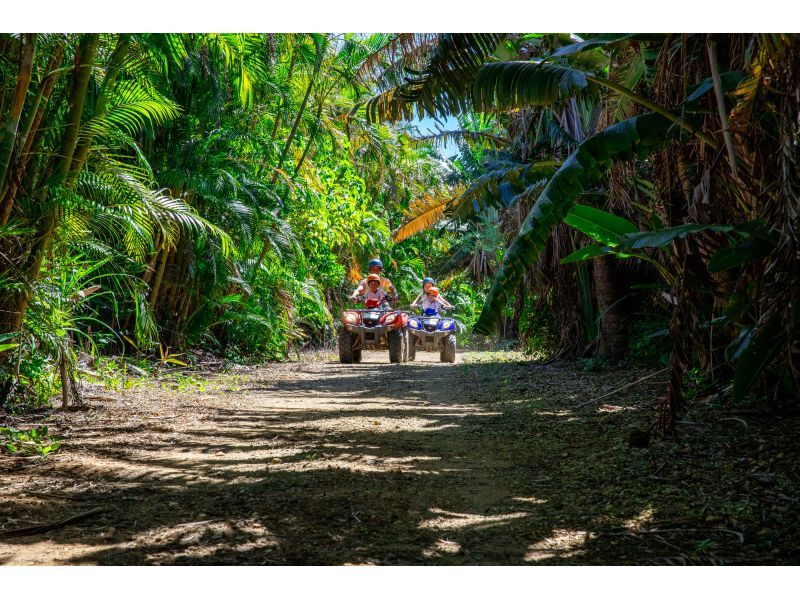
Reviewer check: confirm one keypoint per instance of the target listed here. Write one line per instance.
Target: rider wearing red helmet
(427, 283)
(432, 301)
(374, 295)
(375, 267)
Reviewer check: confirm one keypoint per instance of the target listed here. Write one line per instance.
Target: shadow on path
(484, 463)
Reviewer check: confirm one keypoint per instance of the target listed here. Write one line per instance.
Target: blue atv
(432, 331)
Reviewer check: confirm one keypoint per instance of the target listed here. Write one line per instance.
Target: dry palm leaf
(424, 213)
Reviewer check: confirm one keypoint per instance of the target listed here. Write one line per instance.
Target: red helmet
(375, 277)
(433, 291)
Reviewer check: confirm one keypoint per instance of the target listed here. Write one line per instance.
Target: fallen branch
(48, 527)
(616, 390)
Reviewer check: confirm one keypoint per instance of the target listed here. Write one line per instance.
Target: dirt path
(483, 462)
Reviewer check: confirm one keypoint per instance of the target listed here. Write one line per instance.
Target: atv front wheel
(357, 356)
(346, 353)
(396, 346)
(448, 353)
(412, 347)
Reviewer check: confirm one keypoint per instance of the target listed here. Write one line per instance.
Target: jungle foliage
(162, 193)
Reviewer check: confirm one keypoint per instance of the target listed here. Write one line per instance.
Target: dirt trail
(482, 462)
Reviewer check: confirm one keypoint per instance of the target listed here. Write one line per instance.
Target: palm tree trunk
(277, 122)
(47, 224)
(311, 135)
(162, 264)
(297, 119)
(17, 103)
(83, 72)
(31, 133)
(114, 66)
(723, 114)
(613, 339)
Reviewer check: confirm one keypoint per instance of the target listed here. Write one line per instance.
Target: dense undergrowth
(173, 200)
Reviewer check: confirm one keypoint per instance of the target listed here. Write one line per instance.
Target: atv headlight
(446, 324)
(413, 324)
(390, 318)
(352, 317)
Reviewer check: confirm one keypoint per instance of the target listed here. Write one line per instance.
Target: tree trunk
(114, 66)
(48, 222)
(17, 103)
(311, 135)
(613, 339)
(31, 137)
(159, 277)
(277, 122)
(297, 119)
(83, 72)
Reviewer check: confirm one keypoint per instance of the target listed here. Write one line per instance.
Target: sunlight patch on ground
(559, 413)
(442, 547)
(605, 408)
(375, 425)
(636, 523)
(562, 543)
(449, 520)
(531, 500)
(205, 538)
(358, 463)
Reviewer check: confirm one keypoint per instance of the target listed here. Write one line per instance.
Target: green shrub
(33, 442)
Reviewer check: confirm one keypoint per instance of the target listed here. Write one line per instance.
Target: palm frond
(132, 108)
(423, 214)
(515, 84)
(637, 136)
(443, 138)
(442, 87)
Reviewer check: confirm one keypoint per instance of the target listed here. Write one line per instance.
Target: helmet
(428, 280)
(375, 262)
(374, 277)
(433, 291)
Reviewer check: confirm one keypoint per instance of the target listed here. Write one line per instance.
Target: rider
(374, 295)
(427, 283)
(432, 301)
(375, 267)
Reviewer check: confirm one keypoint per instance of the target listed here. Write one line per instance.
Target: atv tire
(346, 353)
(357, 356)
(412, 347)
(448, 354)
(396, 347)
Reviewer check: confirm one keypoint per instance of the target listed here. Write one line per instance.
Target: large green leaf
(640, 136)
(507, 85)
(584, 253)
(503, 187)
(599, 225)
(606, 39)
(661, 238)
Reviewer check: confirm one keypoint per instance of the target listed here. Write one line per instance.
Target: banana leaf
(599, 225)
(606, 39)
(514, 84)
(639, 136)
(502, 188)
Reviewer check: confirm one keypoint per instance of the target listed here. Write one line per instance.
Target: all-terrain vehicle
(433, 332)
(377, 327)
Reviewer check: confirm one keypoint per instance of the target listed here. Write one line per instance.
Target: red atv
(377, 327)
